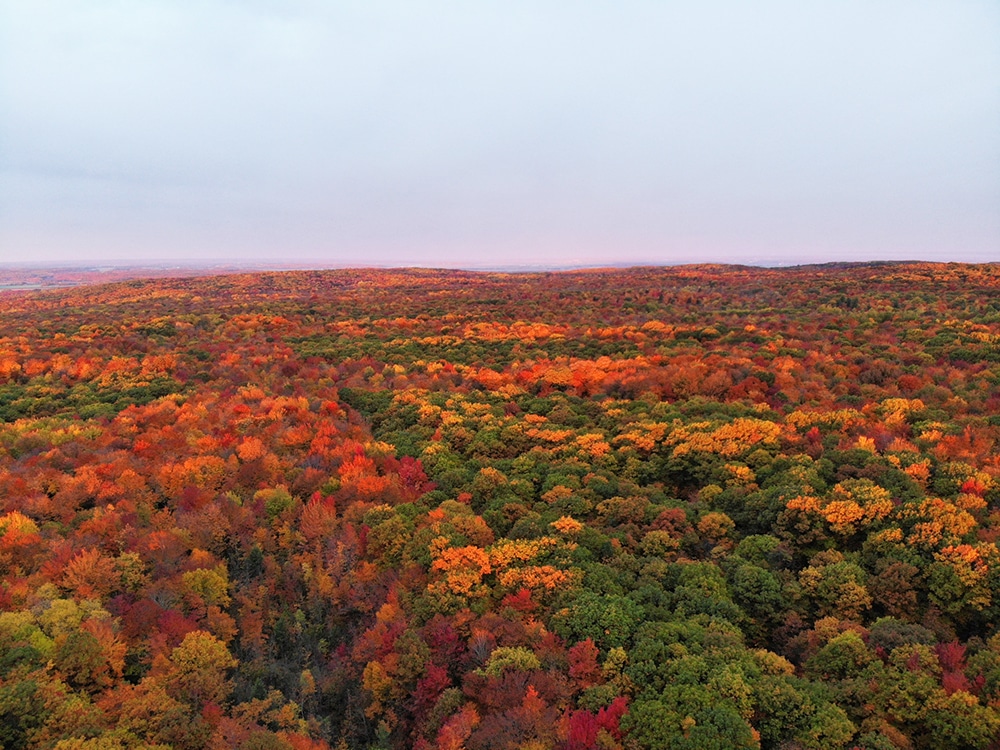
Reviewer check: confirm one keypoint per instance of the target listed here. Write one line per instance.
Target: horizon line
(109, 265)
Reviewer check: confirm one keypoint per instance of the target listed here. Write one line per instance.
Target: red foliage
(609, 718)
(446, 647)
(673, 521)
(584, 726)
(951, 656)
(521, 601)
(429, 688)
(954, 681)
(583, 729)
(973, 486)
(411, 472)
(583, 666)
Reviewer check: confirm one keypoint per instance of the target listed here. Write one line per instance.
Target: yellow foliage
(899, 445)
(969, 502)
(251, 449)
(557, 493)
(461, 581)
(463, 558)
(567, 525)
(971, 567)
(428, 413)
(15, 525)
(549, 436)
(927, 534)
(211, 585)
(866, 443)
(803, 503)
(921, 472)
(559, 375)
(855, 501)
(741, 474)
(895, 410)
(643, 435)
(206, 472)
(952, 520)
(593, 444)
(842, 515)
(438, 545)
(729, 440)
(837, 419)
(533, 577)
(771, 663)
(507, 551)
(716, 526)
(379, 686)
(890, 536)
(658, 543)
(930, 436)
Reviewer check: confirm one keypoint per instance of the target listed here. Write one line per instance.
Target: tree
(197, 671)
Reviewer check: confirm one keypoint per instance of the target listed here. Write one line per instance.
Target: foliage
(692, 507)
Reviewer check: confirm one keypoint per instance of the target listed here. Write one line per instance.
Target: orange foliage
(90, 574)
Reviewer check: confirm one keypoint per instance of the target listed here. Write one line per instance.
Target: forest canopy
(693, 507)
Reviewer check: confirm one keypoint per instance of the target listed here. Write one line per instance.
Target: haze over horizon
(490, 135)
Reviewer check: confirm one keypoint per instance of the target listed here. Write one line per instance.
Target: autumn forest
(690, 508)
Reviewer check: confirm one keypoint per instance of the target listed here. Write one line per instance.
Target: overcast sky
(481, 133)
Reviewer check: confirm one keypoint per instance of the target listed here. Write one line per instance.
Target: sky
(508, 133)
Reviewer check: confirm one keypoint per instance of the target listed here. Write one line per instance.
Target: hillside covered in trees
(689, 508)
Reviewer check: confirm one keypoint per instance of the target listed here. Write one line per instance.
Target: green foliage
(689, 718)
(608, 620)
(276, 501)
(516, 658)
